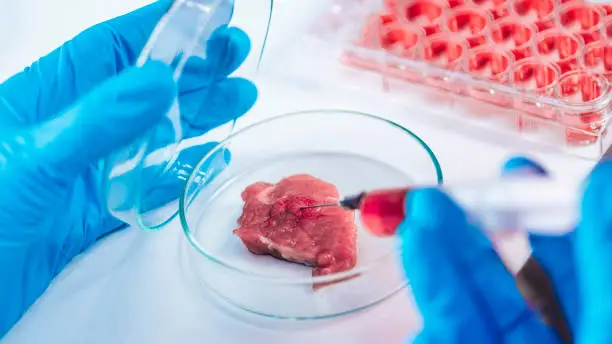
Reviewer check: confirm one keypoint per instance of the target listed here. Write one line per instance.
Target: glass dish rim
(307, 280)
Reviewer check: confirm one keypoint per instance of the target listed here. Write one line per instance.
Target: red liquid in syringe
(380, 211)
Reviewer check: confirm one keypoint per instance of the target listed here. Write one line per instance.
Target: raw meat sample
(273, 224)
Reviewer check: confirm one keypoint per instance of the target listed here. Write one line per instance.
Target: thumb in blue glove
(593, 259)
(86, 133)
(460, 284)
(465, 294)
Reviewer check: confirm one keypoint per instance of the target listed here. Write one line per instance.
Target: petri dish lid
(204, 44)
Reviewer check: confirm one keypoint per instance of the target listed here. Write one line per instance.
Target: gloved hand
(62, 116)
(466, 295)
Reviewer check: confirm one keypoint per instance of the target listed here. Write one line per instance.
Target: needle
(351, 203)
(320, 205)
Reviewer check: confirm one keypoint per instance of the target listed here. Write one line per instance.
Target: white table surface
(127, 289)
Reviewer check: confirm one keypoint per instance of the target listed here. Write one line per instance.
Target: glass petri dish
(352, 150)
(197, 39)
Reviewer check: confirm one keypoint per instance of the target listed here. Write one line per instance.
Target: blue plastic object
(63, 116)
(465, 293)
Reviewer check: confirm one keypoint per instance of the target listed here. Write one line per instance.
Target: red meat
(273, 224)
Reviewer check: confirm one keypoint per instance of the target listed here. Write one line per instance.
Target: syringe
(535, 204)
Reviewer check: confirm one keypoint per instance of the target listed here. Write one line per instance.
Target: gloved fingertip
(521, 165)
(233, 38)
(112, 116)
(239, 38)
(159, 76)
(596, 206)
(192, 155)
(430, 208)
(245, 93)
(206, 110)
(226, 50)
(141, 96)
(599, 184)
(151, 85)
(437, 282)
(600, 175)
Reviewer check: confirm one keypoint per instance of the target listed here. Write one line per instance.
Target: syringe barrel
(534, 204)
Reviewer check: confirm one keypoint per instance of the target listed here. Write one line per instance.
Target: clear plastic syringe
(534, 204)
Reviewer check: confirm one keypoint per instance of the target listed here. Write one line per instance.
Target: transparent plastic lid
(206, 47)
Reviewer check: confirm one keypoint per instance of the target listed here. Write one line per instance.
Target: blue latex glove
(63, 115)
(467, 296)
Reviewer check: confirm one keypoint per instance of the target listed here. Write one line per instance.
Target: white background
(128, 289)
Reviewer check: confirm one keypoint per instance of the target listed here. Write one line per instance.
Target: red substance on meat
(272, 223)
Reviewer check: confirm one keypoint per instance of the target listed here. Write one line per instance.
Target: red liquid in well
(580, 87)
(489, 64)
(583, 20)
(540, 12)
(514, 37)
(535, 77)
(424, 14)
(497, 8)
(469, 24)
(598, 59)
(560, 48)
(373, 29)
(607, 28)
(397, 37)
(443, 53)
(401, 41)
(557, 47)
(387, 19)
(387, 33)
(455, 3)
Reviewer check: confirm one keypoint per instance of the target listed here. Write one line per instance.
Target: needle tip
(319, 206)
